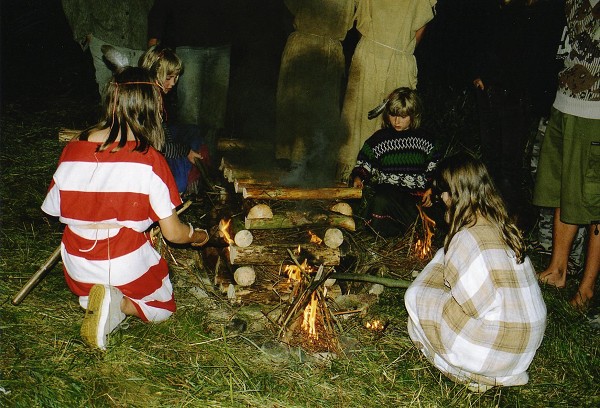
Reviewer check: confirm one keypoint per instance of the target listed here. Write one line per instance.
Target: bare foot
(553, 278)
(581, 301)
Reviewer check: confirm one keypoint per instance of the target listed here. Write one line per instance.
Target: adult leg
(590, 273)
(562, 239)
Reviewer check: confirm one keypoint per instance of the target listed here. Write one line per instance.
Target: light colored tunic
(476, 314)
(125, 188)
(311, 72)
(383, 61)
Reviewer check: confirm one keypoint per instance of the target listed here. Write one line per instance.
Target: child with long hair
(396, 163)
(184, 142)
(476, 310)
(110, 186)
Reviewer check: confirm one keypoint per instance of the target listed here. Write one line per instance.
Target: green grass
(191, 361)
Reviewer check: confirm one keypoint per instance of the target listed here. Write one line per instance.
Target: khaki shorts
(568, 174)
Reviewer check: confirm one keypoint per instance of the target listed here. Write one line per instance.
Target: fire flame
(375, 325)
(310, 317)
(314, 238)
(423, 247)
(224, 228)
(294, 272)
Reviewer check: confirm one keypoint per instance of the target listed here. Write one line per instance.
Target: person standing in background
(121, 24)
(310, 79)
(383, 60)
(201, 32)
(568, 177)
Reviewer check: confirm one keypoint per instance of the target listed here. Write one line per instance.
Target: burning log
(293, 193)
(295, 219)
(273, 254)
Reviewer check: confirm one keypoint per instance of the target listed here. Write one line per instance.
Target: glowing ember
(423, 247)
(224, 228)
(310, 317)
(375, 325)
(293, 272)
(314, 238)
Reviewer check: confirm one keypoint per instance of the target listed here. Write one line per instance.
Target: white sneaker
(102, 315)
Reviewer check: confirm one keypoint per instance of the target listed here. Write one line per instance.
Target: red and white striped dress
(127, 188)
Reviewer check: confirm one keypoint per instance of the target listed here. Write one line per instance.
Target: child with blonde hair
(476, 311)
(396, 163)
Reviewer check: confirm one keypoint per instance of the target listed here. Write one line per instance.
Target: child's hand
(192, 156)
(358, 183)
(426, 200)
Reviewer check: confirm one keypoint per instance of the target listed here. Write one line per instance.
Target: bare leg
(585, 292)
(128, 308)
(562, 241)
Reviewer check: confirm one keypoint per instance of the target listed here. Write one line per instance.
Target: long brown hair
(473, 194)
(133, 102)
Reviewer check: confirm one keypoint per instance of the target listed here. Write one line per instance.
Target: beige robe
(311, 73)
(383, 61)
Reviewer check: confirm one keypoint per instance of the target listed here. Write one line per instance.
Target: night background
(47, 83)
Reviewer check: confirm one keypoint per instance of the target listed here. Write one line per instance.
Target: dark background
(41, 64)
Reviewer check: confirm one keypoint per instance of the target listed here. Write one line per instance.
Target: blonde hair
(472, 193)
(403, 102)
(133, 102)
(161, 62)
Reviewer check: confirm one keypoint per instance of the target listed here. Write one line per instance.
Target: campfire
(307, 322)
(422, 248)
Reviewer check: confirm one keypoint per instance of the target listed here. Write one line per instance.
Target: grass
(192, 360)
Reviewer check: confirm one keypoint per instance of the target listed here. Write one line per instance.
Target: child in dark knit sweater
(397, 162)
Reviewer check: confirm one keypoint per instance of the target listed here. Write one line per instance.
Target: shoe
(478, 388)
(102, 315)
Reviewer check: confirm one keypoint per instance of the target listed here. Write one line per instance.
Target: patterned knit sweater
(405, 159)
(579, 82)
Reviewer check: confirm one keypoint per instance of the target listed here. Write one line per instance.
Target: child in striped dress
(110, 186)
(476, 311)
(396, 163)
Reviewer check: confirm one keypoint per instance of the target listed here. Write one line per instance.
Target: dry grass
(195, 360)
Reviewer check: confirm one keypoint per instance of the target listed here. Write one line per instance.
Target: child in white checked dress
(476, 310)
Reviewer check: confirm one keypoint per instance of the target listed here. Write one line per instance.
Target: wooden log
(66, 135)
(294, 193)
(291, 219)
(239, 184)
(243, 238)
(333, 238)
(227, 144)
(244, 275)
(275, 254)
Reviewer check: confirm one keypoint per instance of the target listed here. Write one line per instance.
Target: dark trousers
(504, 119)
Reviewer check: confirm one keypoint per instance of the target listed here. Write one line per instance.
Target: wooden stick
(37, 277)
(66, 135)
(363, 277)
(294, 193)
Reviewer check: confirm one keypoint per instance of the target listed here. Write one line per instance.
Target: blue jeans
(203, 86)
